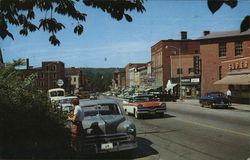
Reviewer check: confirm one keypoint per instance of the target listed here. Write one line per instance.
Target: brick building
(121, 78)
(130, 73)
(185, 71)
(161, 61)
(47, 75)
(226, 63)
(75, 80)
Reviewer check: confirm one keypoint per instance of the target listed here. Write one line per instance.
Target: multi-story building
(161, 54)
(185, 71)
(226, 63)
(130, 70)
(47, 75)
(121, 78)
(75, 80)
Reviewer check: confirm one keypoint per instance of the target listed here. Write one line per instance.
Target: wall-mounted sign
(60, 82)
(185, 80)
(238, 65)
(195, 80)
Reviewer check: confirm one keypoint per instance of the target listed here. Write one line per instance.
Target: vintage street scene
(125, 79)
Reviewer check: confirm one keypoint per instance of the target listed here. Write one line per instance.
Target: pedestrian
(76, 117)
(229, 95)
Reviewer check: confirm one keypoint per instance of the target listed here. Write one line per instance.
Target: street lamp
(180, 67)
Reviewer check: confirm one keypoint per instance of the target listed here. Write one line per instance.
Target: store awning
(242, 79)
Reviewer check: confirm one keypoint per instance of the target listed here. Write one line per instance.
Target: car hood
(102, 124)
(149, 104)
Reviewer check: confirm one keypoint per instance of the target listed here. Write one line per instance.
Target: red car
(144, 104)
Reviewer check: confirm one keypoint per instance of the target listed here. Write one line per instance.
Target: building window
(41, 75)
(220, 72)
(190, 70)
(238, 48)
(74, 79)
(222, 49)
(53, 68)
(179, 71)
(54, 75)
(47, 68)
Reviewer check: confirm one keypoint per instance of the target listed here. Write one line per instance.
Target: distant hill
(102, 70)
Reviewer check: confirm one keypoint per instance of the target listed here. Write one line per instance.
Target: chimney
(206, 33)
(183, 35)
(27, 63)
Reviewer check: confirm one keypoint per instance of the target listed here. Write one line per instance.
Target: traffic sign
(60, 82)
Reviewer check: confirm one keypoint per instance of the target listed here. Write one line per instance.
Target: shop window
(222, 49)
(238, 48)
(220, 72)
(179, 71)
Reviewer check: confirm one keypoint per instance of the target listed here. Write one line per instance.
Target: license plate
(107, 146)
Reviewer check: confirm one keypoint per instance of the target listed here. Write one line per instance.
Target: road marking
(209, 126)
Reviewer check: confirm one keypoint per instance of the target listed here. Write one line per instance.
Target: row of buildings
(48, 75)
(217, 61)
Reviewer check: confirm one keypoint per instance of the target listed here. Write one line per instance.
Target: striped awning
(242, 79)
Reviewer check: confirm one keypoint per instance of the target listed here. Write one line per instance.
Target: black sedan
(215, 99)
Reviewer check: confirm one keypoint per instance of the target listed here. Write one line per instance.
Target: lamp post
(180, 67)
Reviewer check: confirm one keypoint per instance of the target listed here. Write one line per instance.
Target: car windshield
(144, 99)
(102, 109)
(56, 93)
(63, 101)
(216, 94)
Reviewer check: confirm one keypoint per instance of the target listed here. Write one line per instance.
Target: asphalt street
(193, 133)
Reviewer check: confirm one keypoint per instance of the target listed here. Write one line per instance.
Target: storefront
(237, 79)
(189, 87)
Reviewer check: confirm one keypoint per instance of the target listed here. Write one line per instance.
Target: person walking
(229, 96)
(76, 118)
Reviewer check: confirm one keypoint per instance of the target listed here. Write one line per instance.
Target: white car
(64, 103)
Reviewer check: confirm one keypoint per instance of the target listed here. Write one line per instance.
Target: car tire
(202, 104)
(137, 115)
(161, 115)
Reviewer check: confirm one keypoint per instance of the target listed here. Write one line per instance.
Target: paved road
(194, 133)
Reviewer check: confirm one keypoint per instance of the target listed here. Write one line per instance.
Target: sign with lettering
(238, 65)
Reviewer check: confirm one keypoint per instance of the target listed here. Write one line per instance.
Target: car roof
(142, 96)
(96, 102)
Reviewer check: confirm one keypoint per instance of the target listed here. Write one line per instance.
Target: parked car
(144, 104)
(92, 96)
(105, 128)
(214, 99)
(64, 104)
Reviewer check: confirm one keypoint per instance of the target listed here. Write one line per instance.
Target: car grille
(106, 138)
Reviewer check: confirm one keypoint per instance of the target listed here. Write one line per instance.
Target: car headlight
(163, 105)
(140, 106)
(131, 130)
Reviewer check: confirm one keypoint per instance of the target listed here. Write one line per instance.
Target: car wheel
(161, 114)
(226, 106)
(137, 115)
(202, 104)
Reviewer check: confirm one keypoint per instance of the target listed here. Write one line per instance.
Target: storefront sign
(185, 80)
(195, 80)
(238, 65)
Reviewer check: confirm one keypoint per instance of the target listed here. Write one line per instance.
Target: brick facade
(215, 66)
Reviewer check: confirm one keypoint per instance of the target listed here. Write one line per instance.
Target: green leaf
(128, 18)
(245, 24)
(214, 5)
(232, 3)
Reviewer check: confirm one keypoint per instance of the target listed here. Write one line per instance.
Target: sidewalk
(244, 107)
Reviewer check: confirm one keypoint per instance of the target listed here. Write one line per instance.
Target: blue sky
(122, 42)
